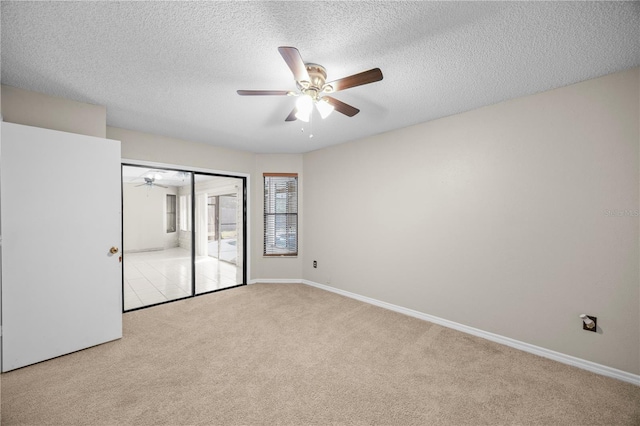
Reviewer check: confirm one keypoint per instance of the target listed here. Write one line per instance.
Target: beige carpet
(269, 354)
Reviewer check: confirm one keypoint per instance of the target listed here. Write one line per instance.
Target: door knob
(113, 250)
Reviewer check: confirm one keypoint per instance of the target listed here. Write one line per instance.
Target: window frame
(172, 213)
(288, 218)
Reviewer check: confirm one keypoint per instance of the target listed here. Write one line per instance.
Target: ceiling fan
(313, 88)
(150, 182)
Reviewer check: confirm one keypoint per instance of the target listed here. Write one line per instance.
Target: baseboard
(275, 281)
(526, 347)
(143, 250)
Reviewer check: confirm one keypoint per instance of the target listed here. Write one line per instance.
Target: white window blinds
(280, 214)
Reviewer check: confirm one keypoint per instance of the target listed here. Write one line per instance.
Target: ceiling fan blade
(142, 184)
(161, 186)
(364, 77)
(263, 92)
(341, 107)
(292, 115)
(292, 57)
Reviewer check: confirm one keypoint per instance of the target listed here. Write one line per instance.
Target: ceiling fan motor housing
(316, 84)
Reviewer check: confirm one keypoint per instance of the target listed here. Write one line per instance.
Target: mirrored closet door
(183, 234)
(219, 232)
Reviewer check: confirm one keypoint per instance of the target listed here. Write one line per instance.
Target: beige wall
(504, 218)
(35, 109)
(496, 218)
(276, 267)
(160, 149)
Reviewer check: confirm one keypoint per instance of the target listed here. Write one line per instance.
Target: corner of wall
(35, 109)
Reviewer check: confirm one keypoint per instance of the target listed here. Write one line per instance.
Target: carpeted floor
(269, 354)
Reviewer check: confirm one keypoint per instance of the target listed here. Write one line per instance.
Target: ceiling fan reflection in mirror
(313, 89)
(151, 182)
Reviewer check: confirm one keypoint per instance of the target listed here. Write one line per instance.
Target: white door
(60, 215)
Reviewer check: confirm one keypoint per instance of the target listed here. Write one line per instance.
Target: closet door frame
(244, 177)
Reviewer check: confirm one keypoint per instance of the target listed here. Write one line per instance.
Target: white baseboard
(526, 347)
(275, 281)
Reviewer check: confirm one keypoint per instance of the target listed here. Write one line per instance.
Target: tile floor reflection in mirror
(158, 276)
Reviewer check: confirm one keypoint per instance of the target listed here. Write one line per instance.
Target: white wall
(144, 218)
(498, 218)
(184, 236)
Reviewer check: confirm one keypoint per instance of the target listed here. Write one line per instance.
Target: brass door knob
(113, 250)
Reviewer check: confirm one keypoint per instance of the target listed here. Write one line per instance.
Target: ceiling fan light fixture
(311, 82)
(304, 106)
(324, 108)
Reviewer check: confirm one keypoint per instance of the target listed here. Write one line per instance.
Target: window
(171, 213)
(280, 214)
(185, 212)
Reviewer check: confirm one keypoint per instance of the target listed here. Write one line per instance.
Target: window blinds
(280, 214)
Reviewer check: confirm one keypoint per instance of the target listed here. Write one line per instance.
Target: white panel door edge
(60, 214)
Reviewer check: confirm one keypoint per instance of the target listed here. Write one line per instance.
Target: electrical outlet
(315, 264)
(594, 326)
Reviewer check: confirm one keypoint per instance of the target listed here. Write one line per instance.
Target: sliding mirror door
(183, 234)
(219, 232)
(156, 235)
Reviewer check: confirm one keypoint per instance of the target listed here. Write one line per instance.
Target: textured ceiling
(173, 68)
